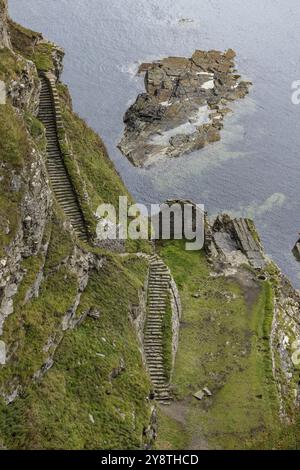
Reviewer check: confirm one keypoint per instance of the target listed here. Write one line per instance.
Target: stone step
(159, 307)
(157, 381)
(57, 178)
(158, 266)
(152, 340)
(158, 296)
(157, 370)
(155, 367)
(76, 220)
(55, 158)
(154, 350)
(162, 397)
(159, 285)
(162, 277)
(159, 269)
(57, 168)
(56, 165)
(58, 172)
(162, 388)
(154, 356)
(68, 199)
(66, 192)
(159, 272)
(157, 303)
(69, 205)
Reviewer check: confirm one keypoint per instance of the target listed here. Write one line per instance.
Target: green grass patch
(95, 396)
(29, 44)
(9, 66)
(171, 433)
(224, 346)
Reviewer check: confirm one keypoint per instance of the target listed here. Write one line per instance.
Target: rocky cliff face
(4, 36)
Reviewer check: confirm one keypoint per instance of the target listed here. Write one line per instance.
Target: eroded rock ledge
(184, 105)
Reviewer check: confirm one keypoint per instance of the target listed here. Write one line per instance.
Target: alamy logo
(176, 221)
(2, 92)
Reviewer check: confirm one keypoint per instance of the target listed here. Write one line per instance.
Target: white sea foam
(198, 119)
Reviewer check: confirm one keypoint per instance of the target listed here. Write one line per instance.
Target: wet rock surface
(296, 250)
(184, 105)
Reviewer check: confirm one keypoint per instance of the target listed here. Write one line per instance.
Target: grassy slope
(9, 67)
(80, 404)
(221, 346)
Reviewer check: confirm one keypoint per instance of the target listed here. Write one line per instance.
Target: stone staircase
(49, 115)
(159, 282)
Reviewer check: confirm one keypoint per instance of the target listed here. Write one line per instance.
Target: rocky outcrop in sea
(184, 106)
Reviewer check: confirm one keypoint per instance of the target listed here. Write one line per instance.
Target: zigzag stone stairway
(49, 115)
(158, 288)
